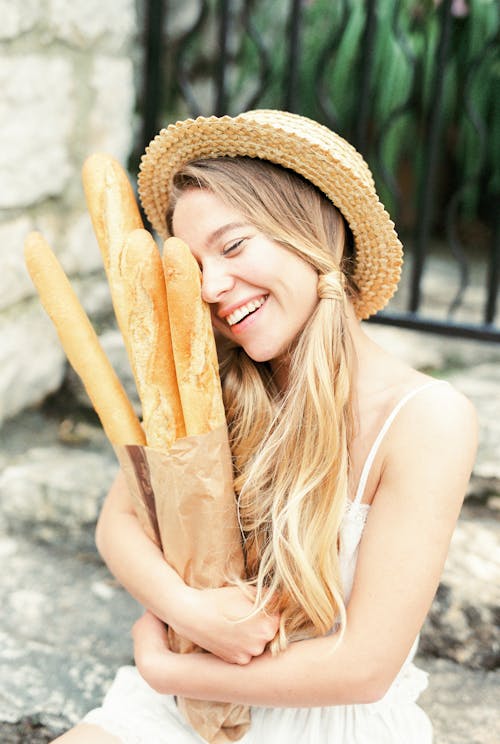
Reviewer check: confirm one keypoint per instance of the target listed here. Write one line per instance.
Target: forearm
(308, 674)
(138, 564)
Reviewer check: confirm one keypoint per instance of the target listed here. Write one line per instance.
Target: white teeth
(244, 310)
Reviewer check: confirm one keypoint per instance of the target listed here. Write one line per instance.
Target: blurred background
(415, 86)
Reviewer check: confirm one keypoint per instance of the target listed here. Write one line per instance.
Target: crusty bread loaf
(148, 334)
(193, 341)
(134, 270)
(81, 344)
(114, 213)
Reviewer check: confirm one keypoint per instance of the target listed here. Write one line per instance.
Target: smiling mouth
(244, 311)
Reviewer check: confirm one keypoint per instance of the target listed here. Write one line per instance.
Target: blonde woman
(350, 467)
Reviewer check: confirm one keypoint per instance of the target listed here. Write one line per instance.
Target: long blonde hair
(291, 451)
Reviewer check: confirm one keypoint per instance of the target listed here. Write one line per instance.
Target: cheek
(305, 280)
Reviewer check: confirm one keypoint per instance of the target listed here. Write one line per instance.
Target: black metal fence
(413, 84)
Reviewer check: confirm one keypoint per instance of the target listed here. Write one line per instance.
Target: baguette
(193, 343)
(114, 213)
(148, 334)
(81, 344)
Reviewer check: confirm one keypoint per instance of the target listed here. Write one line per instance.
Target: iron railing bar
(155, 15)
(294, 53)
(367, 50)
(222, 59)
(457, 251)
(264, 63)
(385, 128)
(479, 127)
(182, 73)
(321, 93)
(483, 332)
(426, 190)
(493, 278)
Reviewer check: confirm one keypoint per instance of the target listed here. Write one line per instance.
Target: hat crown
(305, 146)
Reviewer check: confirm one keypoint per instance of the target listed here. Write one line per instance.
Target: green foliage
(402, 71)
(477, 61)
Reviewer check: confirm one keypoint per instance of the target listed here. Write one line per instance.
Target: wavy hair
(290, 449)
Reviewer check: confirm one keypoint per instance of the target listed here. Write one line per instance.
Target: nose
(215, 281)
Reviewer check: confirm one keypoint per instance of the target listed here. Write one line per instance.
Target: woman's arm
(205, 617)
(428, 456)
(133, 558)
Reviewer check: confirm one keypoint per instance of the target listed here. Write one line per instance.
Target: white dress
(136, 714)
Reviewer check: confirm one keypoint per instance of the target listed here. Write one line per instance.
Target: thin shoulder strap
(383, 431)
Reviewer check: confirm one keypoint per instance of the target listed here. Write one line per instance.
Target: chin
(261, 358)
(264, 355)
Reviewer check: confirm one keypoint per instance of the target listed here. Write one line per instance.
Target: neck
(280, 368)
(372, 362)
(377, 370)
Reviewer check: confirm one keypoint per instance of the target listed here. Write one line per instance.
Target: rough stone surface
(37, 116)
(463, 624)
(18, 16)
(112, 81)
(68, 75)
(481, 384)
(58, 422)
(462, 704)
(80, 254)
(55, 493)
(15, 283)
(64, 630)
(84, 24)
(32, 362)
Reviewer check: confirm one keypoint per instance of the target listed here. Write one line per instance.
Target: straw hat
(306, 147)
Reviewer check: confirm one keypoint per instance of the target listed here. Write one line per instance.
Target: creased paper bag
(185, 501)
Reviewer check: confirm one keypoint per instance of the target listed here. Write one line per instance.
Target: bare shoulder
(439, 410)
(433, 441)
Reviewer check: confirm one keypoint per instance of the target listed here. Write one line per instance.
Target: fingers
(272, 626)
(240, 658)
(244, 659)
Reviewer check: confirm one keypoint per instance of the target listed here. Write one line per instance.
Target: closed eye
(232, 247)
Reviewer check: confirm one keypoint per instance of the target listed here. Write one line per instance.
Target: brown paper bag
(185, 501)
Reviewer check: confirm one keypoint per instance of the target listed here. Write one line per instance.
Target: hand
(212, 618)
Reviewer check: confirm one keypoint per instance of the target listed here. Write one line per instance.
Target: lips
(241, 312)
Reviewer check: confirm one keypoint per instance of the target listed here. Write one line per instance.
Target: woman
(350, 467)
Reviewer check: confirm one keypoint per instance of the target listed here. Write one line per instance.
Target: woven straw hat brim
(304, 146)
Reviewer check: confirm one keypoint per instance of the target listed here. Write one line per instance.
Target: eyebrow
(217, 234)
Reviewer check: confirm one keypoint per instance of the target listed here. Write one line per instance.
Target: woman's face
(260, 294)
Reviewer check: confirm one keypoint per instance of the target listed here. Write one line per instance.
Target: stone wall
(68, 76)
